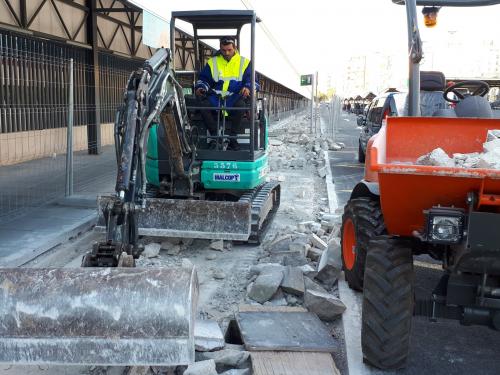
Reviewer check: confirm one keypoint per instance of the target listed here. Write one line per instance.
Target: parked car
(362, 117)
(387, 104)
(394, 103)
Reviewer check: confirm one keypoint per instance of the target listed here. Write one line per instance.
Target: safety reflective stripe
(216, 74)
(215, 69)
(243, 65)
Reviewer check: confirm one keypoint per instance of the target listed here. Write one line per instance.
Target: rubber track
(368, 222)
(387, 303)
(259, 197)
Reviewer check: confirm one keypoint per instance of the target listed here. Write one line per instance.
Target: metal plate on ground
(293, 363)
(284, 331)
(189, 218)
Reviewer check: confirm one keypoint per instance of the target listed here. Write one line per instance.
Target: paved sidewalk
(35, 216)
(28, 236)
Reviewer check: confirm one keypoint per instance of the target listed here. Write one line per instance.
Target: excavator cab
(221, 166)
(208, 26)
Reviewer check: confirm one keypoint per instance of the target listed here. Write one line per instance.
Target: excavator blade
(99, 316)
(189, 218)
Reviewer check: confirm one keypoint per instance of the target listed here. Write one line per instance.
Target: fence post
(69, 136)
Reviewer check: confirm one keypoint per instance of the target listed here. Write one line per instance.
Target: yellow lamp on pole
(430, 16)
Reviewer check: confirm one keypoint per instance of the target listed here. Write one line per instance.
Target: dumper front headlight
(445, 225)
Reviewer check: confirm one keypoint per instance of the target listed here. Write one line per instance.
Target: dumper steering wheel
(482, 89)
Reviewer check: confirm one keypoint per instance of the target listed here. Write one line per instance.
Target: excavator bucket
(99, 316)
(189, 218)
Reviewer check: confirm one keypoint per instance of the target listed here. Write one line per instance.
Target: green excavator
(170, 183)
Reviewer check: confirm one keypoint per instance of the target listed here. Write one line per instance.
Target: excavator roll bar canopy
(220, 20)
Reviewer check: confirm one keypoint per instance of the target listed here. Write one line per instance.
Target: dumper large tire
(362, 221)
(388, 303)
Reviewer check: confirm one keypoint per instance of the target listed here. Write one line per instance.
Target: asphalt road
(443, 347)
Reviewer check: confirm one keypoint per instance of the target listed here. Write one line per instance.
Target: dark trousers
(210, 117)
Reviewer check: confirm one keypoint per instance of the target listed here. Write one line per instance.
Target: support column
(94, 129)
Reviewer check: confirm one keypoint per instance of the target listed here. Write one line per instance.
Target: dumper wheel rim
(348, 244)
(366, 217)
(388, 303)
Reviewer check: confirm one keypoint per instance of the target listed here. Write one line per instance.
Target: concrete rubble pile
(488, 159)
(302, 267)
(298, 265)
(285, 157)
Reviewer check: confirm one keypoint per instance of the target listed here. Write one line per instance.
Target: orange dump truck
(402, 209)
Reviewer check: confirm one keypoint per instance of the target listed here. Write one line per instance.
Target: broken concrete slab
(322, 172)
(295, 259)
(151, 250)
(437, 157)
(293, 281)
(325, 305)
(174, 250)
(314, 254)
(308, 270)
(167, 243)
(207, 336)
(211, 256)
(300, 246)
(136, 370)
(279, 243)
(318, 242)
(493, 134)
(266, 285)
(315, 227)
(206, 367)
(217, 245)
(330, 264)
(279, 331)
(492, 145)
(226, 359)
(312, 285)
(235, 371)
(219, 275)
(257, 269)
(278, 299)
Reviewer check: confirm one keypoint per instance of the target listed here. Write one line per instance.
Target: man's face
(227, 51)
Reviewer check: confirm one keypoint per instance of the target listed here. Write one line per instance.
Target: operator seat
(432, 103)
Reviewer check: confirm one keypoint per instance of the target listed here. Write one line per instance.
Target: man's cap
(227, 39)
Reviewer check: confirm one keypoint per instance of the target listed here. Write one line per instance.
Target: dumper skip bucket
(99, 316)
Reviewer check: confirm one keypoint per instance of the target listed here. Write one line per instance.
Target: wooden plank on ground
(293, 363)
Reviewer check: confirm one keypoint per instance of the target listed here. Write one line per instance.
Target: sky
(321, 35)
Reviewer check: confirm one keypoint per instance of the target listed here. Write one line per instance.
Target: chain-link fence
(33, 116)
(334, 115)
(34, 113)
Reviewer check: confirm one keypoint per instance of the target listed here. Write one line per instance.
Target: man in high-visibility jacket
(228, 75)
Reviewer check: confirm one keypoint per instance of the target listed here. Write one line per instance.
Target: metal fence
(334, 116)
(35, 89)
(34, 112)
